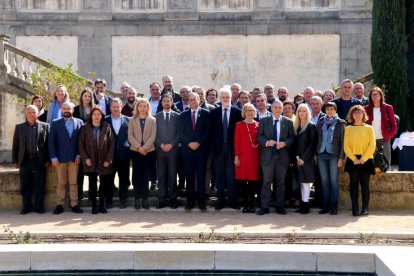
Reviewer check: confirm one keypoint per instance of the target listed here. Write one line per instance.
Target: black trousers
(122, 168)
(357, 178)
(80, 181)
(248, 190)
(32, 180)
(104, 187)
(181, 169)
(141, 173)
(167, 171)
(195, 167)
(224, 169)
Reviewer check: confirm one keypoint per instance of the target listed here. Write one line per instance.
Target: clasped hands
(193, 145)
(359, 161)
(272, 143)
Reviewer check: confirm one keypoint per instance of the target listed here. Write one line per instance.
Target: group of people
(257, 145)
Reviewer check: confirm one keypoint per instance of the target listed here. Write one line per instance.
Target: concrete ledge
(239, 257)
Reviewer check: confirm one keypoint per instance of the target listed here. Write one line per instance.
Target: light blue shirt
(69, 126)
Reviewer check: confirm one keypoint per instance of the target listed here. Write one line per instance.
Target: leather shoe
(76, 209)
(323, 211)
(245, 210)
(102, 210)
(251, 210)
(137, 204)
(364, 212)
(173, 205)
(280, 210)
(189, 207)
(94, 210)
(262, 211)
(202, 207)
(334, 212)
(145, 204)
(58, 210)
(40, 211)
(161, 204)
(122, 205)
(219, 207)
(25, 211)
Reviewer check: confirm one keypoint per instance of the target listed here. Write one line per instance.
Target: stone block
(326, 27)
(81, 260)
(181, 16)
(181, 4)
(301, 28)
(174, 260)
(268, 15)
(257, 29)
(14, 260)
(265, 260)
(279, 28)
(97, 5)
(356, 4)
(225, 16)
(345, 262)
(269, 4)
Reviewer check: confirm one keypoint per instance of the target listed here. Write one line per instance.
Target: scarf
(329, 125)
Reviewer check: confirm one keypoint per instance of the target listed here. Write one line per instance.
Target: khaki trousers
(67, 173)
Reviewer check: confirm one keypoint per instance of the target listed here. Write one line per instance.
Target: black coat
(216, 128)
(305, 144)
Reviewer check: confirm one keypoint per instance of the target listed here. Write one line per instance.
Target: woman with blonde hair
(305, 134)
(246, 156)
(141, 136)
(359, 147)
(55, 108)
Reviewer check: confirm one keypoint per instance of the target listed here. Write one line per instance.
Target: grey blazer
(265, 133)
(167, 133)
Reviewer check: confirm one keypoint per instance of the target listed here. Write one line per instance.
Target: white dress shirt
(116, 124)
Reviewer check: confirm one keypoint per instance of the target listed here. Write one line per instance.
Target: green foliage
(389, 54)
(409, 5)
(21, 238)
(47, 79)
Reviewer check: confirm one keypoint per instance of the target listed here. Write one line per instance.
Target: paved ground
(393, 224)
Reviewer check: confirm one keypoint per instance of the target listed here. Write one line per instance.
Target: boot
(325, 208)
(354, 201)
(300, 210)
(334, 209)
(102, 208)
(305, 209)
(145, 204)
(137, 204)
(94, 208)
(365, 201)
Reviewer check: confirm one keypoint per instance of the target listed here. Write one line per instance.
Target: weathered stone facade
(95, 23)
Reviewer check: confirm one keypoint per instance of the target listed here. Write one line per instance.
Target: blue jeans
(328, 168)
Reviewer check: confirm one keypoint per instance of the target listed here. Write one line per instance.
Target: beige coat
(135, 136)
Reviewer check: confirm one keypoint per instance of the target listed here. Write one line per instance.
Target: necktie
(167, 117)
(193, 121)
(274, 149)
(225, 125)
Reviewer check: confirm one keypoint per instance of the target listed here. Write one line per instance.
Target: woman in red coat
(246, 159)
(381, 117)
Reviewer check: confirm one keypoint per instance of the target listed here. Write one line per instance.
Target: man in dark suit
(193, 133)
(100, 98)
(167, 83)
(275, 135)
(166, 145)
(203, 103)
(121, 160)
(30, 155)
(183, 104)
(223, 121)
(65, 156)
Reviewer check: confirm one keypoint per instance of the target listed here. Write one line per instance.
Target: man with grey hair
(193, 133)
(124, 90)
(359, 92)
(235, 89)
(316, 106)
(345, 101)
(65, 156)
(183, 104)
(283, 94)
(30, 155)
(269, 91)
(223, 121)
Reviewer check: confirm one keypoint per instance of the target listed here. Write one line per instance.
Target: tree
(409, 5)
(389, 54)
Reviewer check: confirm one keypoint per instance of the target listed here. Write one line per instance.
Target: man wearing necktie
(193, 134)
(166, 145)
(275, 135)
(223, 121)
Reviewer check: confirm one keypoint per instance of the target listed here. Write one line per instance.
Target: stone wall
(95, 24)
(393, 190)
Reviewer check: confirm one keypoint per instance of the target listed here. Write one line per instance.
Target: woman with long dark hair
(85, 106)
(38, 101)
(96, 146)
